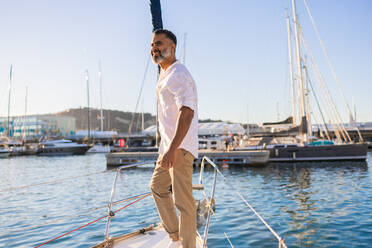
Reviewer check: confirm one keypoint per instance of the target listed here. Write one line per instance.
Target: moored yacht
(4, 151)
(61, 147)
(330, 152)
(285, 150)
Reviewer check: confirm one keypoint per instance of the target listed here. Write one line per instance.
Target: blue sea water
(308, 204)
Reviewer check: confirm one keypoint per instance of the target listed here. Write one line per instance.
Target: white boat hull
(150, 237)
(4, 154)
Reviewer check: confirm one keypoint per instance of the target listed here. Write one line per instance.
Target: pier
(257, 157)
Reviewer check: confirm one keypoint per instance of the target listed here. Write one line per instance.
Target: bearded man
(178, 127)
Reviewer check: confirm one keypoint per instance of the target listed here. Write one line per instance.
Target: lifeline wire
(281, 240)
(87, 211)
(89, 223)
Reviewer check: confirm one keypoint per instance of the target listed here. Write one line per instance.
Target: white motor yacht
(4, 151)
(61, 147)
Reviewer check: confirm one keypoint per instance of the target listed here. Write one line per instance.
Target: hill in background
(112, 119)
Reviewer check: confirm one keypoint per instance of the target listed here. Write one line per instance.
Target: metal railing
(210, 210)
(217, 171)
(113, 190)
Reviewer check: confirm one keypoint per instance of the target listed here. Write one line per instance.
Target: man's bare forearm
(183, 124)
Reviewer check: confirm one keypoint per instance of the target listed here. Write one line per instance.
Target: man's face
(161, 48)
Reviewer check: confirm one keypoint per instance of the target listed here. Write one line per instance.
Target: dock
(256, 157)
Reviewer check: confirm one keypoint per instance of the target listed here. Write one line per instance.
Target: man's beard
(161, 56)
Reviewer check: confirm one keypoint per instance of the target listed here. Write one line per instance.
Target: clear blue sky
(236, 51)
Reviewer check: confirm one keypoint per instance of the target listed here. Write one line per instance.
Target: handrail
(216, 170)
(113, 189)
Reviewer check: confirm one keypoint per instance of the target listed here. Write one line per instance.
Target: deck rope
(94, 221)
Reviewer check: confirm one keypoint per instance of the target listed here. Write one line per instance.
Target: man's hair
(167, 33)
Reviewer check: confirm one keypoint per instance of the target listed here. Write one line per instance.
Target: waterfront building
(37, 126)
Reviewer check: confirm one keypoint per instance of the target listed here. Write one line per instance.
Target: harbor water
(308, 204)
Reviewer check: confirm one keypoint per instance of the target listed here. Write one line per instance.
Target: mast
(247, 120)
(24, 118)
(291, 70)
(100, 92)
(10, 90)
(87, 81)
(143, 117)
(307, 100)
(355, 116)
(157, 23)
(277, 111)
(299, 70)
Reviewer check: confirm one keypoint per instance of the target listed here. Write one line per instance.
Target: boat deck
(150, 237)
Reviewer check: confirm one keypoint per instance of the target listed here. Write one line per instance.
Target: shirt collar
(170, 67)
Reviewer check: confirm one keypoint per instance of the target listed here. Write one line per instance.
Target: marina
(259, 157)
(89, 176)
(308, 204)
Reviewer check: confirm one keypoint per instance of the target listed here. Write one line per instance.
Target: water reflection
(301, 192)
(309, 204)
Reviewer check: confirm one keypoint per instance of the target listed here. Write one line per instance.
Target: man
(178, 127)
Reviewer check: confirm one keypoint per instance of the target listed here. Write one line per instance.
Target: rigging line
(328, 96)
(339, 127)
(245, 201)
(317, 102)
(231, 245)
(332, 68)
(321, 132)
(55, 181)
(76, 215)
(92, 222)
(139, 95)
(333, 111)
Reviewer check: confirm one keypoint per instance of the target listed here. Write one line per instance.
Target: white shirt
(176, 88)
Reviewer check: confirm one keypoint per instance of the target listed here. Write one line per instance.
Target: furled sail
(155, 8)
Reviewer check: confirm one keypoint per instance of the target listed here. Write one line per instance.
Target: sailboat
(304, 146)
(154, 236)
(99, 147)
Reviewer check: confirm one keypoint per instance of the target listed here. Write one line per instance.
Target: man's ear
(173, 46)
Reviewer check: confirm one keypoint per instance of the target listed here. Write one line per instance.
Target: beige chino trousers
(180, 177)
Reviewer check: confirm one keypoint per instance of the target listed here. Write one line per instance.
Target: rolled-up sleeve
(182, 86)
